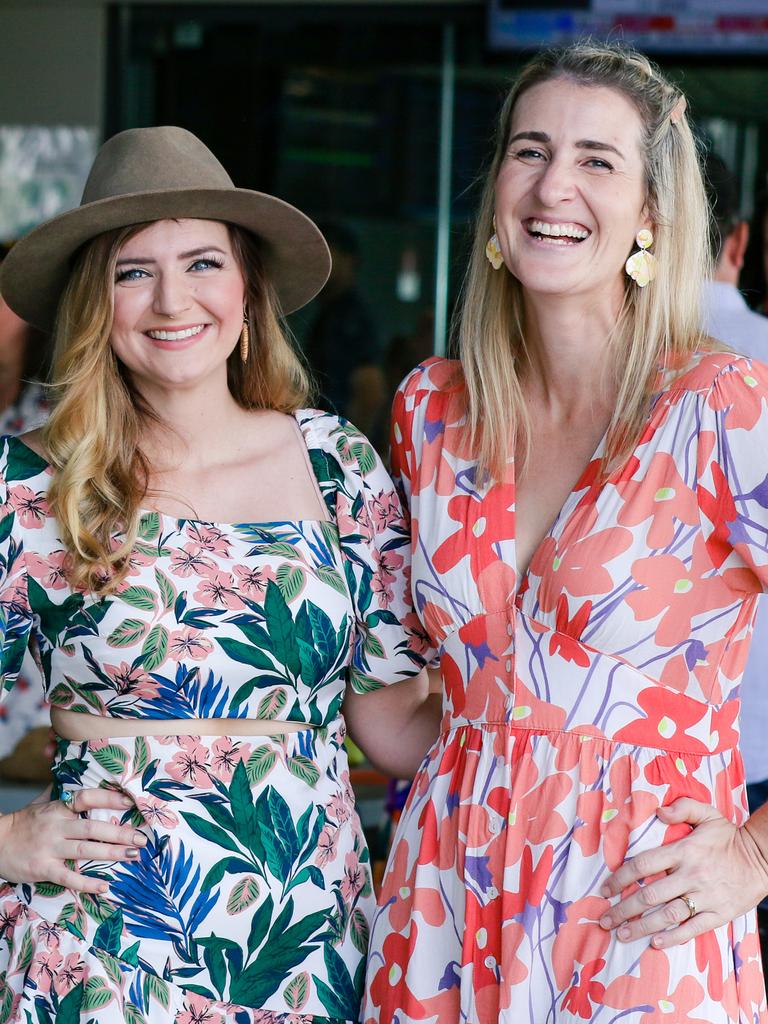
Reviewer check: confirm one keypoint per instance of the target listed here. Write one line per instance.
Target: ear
(736, 244)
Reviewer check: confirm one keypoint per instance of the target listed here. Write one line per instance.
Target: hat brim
(295, 254)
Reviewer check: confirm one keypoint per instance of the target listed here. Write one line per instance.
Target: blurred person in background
(728, 318)
(24, 365)
(342, 345)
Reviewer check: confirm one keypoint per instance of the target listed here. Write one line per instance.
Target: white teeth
(542, 227)
(175, 335)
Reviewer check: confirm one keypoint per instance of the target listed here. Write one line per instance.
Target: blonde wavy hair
(93, 437)
(657, 325)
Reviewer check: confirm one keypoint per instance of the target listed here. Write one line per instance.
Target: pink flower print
(217, 590)
(155, 812)
(225, 756)
(30, 507)
(327, 845)
(208, 538)
(137, 562)
(386, 511)
(348, 524)
(44, 968)
(189, 643)
(131, 681)
(198, 1010)
(388, 564)
(339, 809)
(253, 582)
(69, 974)
(50, 570)
(50, 933)
(354, 878)
(190, 764)
(188, 561)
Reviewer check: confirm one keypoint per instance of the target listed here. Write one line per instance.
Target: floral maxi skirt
(250, 903)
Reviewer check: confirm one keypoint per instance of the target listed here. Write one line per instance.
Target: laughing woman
(202, 567)
(590, 502)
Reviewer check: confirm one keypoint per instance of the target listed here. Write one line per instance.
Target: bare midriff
(78, 726)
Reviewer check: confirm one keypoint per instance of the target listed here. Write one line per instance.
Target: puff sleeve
(732, 473)
(15, 610)
(374, 532)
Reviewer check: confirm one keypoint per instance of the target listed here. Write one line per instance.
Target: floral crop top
(250, 620)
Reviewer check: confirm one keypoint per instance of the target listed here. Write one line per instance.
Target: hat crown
(153, 160)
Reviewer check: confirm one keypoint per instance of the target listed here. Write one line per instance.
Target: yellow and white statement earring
(245, 339)
(641, 265)
(492, 250)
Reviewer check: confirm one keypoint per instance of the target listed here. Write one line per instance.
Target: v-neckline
(563, 516)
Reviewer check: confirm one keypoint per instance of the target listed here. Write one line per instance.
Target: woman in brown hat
(202, 566)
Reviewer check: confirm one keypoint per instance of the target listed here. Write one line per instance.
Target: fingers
(81, 883)
(667, 915)
(663, 890)
(694, 812)
(84, 850)
(85, 800)
(104, 832)
(644, 865)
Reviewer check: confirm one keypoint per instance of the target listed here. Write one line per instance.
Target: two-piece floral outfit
(250, 903)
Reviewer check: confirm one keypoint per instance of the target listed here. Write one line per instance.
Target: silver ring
(68, 799)
(691, 907)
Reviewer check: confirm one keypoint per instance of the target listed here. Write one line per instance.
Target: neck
(198, 426)
(568, 338)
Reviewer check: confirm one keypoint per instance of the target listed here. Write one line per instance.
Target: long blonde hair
(93, 437)
(657, 325)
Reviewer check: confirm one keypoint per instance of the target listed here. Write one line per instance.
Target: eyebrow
(182, 255)
(581, 144)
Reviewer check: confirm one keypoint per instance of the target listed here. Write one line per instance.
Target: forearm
(395, 726)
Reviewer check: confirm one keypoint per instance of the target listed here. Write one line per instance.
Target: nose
(172, 294)
(556, 182)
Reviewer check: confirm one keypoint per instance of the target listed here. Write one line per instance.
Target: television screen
(670, 26)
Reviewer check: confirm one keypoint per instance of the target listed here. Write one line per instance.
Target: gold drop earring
(245, 339)
(641, 265)
(492, 250)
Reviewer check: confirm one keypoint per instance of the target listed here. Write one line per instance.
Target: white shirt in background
(728, 318)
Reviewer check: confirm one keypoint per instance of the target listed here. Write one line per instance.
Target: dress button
(508, 665)
(510, 629)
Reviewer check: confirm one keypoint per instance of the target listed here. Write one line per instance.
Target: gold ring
(691, 907)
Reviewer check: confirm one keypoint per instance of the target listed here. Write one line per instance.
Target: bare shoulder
(34, 439)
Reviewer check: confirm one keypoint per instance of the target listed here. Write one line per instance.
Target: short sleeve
(15, 611)
(389, 642)
(732, 473)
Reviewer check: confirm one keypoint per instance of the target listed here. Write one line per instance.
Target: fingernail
(657, 941)
(132, 853)
(605, 921)
(126, 801)
(605, 889)
(139, 838)
(103, 887)
(624, 933)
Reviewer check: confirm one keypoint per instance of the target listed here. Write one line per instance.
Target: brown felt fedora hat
(148, 174)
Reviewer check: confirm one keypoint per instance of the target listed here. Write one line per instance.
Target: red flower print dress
(577, 700)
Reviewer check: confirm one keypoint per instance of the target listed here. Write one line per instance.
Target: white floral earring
(492, 250)
(641, 265)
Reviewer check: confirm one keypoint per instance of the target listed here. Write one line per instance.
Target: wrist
(756, 847)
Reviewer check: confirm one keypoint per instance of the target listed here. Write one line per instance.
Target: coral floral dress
(577, 700)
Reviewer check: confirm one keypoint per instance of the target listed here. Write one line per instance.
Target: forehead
(182, 234)
(570, 111)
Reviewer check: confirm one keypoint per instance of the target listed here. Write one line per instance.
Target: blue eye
(132, 274)
(205, 262)
(527, 154)
(602, 164)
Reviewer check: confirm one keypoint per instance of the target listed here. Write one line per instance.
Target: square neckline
(216, 523)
